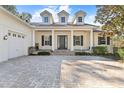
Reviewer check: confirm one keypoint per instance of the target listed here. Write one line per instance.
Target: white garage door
(16, 46)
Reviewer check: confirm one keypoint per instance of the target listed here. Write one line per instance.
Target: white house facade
(16, 36)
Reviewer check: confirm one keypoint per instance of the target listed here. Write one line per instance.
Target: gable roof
(45, 12)
(80, 12)
(63, 12)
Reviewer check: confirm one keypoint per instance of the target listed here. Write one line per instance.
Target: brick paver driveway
(61, 71)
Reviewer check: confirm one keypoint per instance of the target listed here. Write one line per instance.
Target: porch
(63, 39)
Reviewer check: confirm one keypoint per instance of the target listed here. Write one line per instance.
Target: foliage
(24, 16)
(43, 53)
(121, 54)
(100, 50)
(10, 8)
(111, 17)
(82, 53)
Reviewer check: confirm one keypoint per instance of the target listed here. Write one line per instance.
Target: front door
(62, 42)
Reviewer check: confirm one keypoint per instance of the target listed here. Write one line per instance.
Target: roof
(16, 17)
(80, 12)
(63, 11)
(45, 12)
(56, 24)
(96, 30)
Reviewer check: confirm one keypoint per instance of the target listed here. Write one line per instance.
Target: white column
(33, 38)
(72, 48)
(91, 39)
(53, 40)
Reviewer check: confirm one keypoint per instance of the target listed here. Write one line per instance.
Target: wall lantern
(5, 37)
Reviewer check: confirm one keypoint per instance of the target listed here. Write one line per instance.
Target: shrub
(120, 53)
(82, 53)
(43, 53)
(100, 50)
(31, 50)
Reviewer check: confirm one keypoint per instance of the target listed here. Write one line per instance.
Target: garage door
(16, 45)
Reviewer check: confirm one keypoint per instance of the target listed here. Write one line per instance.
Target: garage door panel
(15, 45)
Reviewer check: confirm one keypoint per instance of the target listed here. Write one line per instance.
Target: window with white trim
(80, 19)
(78, 40)
(47, 40)
(46, 19)
(62, 19)
(103, 40)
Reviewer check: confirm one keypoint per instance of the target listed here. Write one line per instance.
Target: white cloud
(90, 19)
(56, 9)
(65, 7)
(52, 9)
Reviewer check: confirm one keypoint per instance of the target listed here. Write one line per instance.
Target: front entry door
(62, 42)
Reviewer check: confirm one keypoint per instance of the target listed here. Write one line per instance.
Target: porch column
(72, 48)
(52, 39)
(91, 39)
(33, 38)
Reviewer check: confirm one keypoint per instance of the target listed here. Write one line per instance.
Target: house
(16, 36)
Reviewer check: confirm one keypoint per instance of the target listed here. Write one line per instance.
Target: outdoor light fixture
(5, 37)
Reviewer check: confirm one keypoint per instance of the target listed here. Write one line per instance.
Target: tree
(10, 8)
(25, 16)
(112, 19)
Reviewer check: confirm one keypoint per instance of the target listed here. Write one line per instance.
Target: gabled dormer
(63, 17)
(46, 17)
(79, 17)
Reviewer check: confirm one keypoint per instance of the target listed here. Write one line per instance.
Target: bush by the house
(120, 53)
(82, 53)
(44, 53)
(31, 50)
(100, 50)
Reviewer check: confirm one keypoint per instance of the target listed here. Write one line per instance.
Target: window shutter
(50, 40)
(108, 40)
(42, 40)
(81, 40)
(99, 39)
(74, 40)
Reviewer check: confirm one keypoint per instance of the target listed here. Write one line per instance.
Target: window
(103, 40)
(14, 35)
(45, 19)
(19, 36)
(46, 40)
(9, 34)
(79, 19)
(62, 19)
(78, 40)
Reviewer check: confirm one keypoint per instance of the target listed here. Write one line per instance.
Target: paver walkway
(60, 71)
(92, 73)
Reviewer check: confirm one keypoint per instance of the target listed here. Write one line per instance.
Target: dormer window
(45, 19)
(62, 19)
(80, 19)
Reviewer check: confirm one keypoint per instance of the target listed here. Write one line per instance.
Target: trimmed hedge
(100, 50)
(82, 53)
(43, 53)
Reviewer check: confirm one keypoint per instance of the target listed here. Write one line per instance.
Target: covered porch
(63, 39)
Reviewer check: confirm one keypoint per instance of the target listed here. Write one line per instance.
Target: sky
(35, 11)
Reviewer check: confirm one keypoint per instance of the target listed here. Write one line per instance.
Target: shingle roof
(57, 24)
